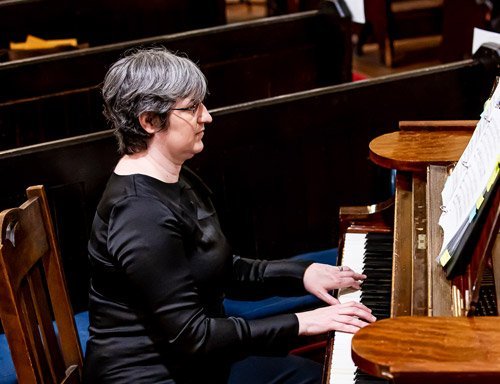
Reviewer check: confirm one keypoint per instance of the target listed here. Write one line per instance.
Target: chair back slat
(30, 324)
(47, 339)
(34, 305)
(53, 268)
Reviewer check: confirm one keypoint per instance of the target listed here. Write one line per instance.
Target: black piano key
(376, 289)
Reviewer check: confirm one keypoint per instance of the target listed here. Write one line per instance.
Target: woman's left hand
(321, 279)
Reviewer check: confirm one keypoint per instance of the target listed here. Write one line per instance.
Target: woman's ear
(148, 121)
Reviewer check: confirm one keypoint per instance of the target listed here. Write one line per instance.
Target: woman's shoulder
(138, 192)
(189, 177)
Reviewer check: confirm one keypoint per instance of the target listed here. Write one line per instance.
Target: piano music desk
(430, 350)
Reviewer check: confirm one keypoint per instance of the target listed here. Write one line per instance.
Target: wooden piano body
(419, 349)
(429, 337)
(279, 168)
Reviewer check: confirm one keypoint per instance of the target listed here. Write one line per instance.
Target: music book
(468, 189)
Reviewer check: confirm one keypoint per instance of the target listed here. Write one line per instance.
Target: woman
(160, 262)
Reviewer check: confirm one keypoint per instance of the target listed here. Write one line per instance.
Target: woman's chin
(197, 148)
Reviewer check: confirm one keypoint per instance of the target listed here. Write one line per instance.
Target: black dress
(159, 267)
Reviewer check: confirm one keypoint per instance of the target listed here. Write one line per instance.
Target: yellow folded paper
(33, 42)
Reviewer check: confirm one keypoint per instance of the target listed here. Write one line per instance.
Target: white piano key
(343, 368)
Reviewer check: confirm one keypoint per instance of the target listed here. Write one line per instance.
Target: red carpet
(356, 76)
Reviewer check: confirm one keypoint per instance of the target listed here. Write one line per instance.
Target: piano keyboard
(487, 304)
(371, 254)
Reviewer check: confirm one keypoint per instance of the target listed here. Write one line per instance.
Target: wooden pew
(98, 22)
(111, 21)
(282, 7)
(391, 20)
(279, 167)
(57, 96)
(460, 17)
(53, 18)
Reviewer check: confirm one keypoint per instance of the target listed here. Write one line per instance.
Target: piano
(430, 327)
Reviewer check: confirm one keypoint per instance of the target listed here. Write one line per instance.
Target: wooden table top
(415, 150)
(460, 348)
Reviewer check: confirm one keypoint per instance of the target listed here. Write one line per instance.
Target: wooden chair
(33, 294)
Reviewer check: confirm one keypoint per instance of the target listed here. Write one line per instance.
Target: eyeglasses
(193, 108)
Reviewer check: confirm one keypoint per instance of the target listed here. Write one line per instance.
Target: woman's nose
(205, 116)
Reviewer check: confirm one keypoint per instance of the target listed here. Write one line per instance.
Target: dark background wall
(104, 21)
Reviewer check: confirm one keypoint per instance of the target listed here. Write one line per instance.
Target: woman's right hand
(347, 317)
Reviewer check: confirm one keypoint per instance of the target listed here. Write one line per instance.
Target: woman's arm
(146, 240)
(254, 278)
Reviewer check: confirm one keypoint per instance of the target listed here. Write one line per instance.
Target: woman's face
(183, 137)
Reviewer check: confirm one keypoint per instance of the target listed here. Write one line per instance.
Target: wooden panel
(440, 292)
(402, 267)
(438, 125)
(419, 246)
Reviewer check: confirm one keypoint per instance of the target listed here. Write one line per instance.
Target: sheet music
(357, 8)
(471, 178)
(481, 36)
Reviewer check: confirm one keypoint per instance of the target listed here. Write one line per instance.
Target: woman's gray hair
(147, 80)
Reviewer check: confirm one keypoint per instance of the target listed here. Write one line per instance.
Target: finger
(358, 284)
(345, 268)
(354, 275)
(327, 298)
(355, 324)
(348, 324)
(360, 313)
(359, 276)
(347, 282)
(356, 304)
(347, 328)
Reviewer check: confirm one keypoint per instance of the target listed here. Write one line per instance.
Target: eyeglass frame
(193, 109)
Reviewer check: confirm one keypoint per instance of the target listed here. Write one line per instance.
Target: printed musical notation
(471, 181)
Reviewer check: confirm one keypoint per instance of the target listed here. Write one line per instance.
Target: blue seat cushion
(277, 304)
(82, 326)
(7, 370)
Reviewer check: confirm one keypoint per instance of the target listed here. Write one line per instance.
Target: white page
(481, 36)
(466, 185)
(357, 8)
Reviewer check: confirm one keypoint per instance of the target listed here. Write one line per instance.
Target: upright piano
(432, 327)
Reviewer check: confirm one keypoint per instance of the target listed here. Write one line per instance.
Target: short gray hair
(147, 80)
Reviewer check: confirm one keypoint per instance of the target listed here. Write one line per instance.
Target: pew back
(98, 22)
(57, 96)
(279, 167)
